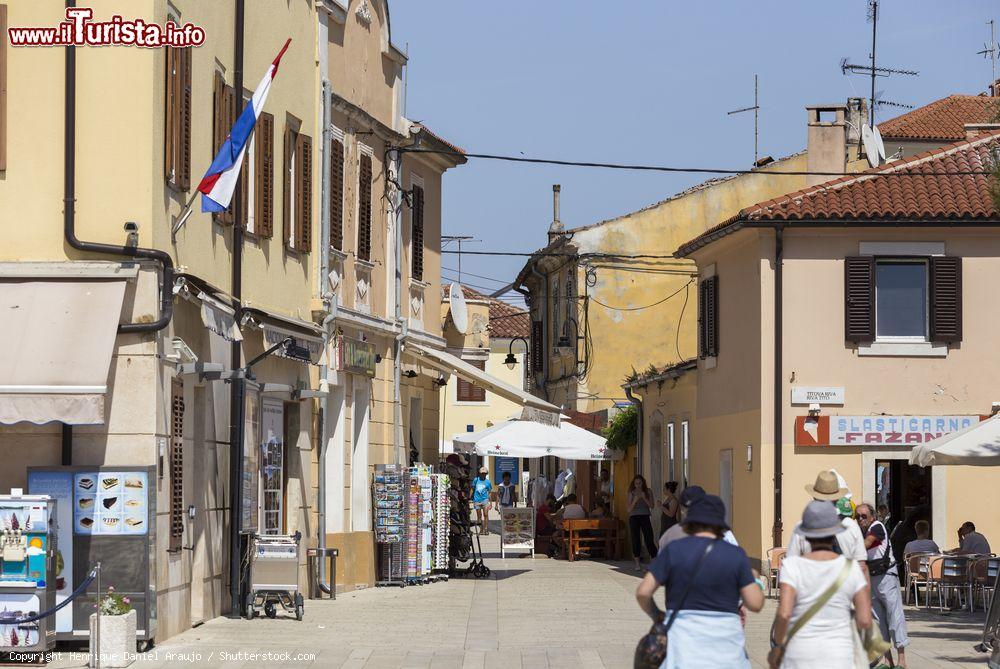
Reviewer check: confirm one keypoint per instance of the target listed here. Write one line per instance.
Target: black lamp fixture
(410, 374)
(510, 360)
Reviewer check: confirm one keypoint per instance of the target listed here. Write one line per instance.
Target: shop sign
(812, 395)
(876, 430)
(357, 357)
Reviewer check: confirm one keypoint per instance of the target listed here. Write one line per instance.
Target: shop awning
(219, 318)
(977, 445)
(307, 337)
(56, 341)
(448, 363)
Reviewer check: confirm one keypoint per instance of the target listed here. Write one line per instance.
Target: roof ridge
(873, 172)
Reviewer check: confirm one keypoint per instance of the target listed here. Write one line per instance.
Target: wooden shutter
(708, 317)
(303, 193)
(946, 299)
(537, 347)
(859, 299)
(171, 103)
(183, 121)
(286, 194)
(222, 120)
(417, 234)
(365, 207)
(470, 392)
(263, 199)
(176, 464)
(337, 194)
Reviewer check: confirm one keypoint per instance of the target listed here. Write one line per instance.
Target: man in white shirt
(851, 543)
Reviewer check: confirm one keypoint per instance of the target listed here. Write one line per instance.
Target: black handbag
(651, 650)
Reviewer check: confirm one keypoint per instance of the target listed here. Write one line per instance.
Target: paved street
(528, 614)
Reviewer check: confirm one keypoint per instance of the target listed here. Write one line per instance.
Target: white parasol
(530, 439)
(977, 445)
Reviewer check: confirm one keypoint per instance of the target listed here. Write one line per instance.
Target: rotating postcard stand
(106, 515)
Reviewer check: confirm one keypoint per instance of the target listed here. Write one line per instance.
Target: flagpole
(185, 215)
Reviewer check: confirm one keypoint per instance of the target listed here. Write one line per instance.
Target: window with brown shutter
(946, 299)
(337, 194)
(417, 238)
(537, 347)
(287, 170)
(3, 87)
(176, 464)
(859, 299)
(365, 207)
(470, 392)
(177, 127)
(303, 193)
(263, 197)
(708, 317)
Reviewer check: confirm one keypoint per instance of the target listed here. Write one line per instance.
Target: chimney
(995, 89)
(556, 228)
(826, 144)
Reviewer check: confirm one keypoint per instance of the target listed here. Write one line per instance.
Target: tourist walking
(669, 506)
(506, 493)
(640, 509)
(689, 496)
(705, 578)
(850, 543)
(813, 625)
(887, 600)
(481, 488)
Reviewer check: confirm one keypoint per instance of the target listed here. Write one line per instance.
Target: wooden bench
(580, 536)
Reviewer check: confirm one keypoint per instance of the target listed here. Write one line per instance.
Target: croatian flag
(219, 182)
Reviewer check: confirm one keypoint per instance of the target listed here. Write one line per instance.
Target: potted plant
(115, 645)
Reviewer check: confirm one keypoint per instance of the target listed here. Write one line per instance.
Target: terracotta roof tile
(932, 193)
(506, 321)
(942, 120)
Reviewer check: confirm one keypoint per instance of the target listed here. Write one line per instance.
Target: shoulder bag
(815, 608)
(651, 650)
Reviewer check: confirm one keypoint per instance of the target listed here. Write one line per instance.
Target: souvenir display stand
(389, 491)
(459, 520)
(412, 524)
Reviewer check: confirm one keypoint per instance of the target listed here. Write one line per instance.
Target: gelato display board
(106, 515)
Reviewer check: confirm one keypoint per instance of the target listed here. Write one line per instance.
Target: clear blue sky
(646, 82)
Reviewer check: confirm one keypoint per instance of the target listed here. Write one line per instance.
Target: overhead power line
(606, 306)
(692, 170)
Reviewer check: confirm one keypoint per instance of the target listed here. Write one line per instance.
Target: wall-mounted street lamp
(510, 360)
(749, 457)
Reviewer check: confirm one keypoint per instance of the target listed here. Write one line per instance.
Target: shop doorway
(904, 491)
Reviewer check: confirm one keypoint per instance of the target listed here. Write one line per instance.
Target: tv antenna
(990, 51)
(459, 238)
(756, 117)
(873, 70)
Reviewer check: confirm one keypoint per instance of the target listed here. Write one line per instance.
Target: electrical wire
(684, 287)
(689, 170)
(680, 320)
(478, 276)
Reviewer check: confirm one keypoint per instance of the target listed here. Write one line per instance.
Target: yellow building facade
(323, 236)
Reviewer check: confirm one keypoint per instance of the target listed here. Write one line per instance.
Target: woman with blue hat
(704, 578)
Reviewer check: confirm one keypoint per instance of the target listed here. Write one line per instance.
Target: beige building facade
(864, 338)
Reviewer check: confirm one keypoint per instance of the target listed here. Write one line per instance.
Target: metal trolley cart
(274, 575)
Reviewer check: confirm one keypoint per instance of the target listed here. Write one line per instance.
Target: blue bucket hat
(707, 510)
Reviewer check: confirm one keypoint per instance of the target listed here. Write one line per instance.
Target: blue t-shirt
(720, 577)
(481, 489)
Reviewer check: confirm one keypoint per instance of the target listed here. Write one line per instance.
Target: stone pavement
(529, 613)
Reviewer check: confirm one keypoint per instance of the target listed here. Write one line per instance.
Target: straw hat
(826, 487)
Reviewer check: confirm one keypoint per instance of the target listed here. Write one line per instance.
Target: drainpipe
(638, 427)
(778, 250)
(327, 334)
(395, 167)
(69, 228)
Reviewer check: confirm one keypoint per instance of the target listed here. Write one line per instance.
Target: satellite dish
(459, 312)
(881, 144)
(871, 146)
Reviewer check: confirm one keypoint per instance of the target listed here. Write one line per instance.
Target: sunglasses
(863, 515)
